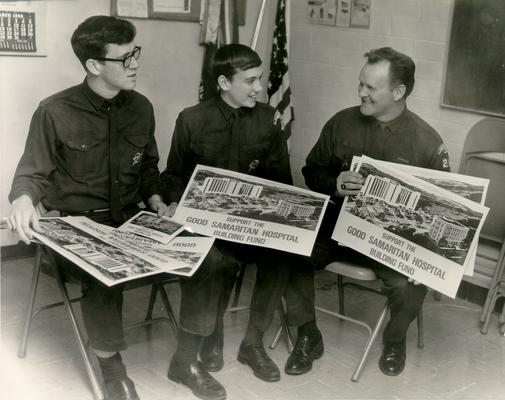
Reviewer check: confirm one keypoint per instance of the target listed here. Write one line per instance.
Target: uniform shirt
(405, 140)
(247, 140)
(66, 161)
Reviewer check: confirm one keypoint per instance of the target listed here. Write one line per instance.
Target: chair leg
(97, 390)
(284, 327)
(500, 265)
(493, 295)
(277, 337)
(152, 300)
(420, 330)
(29, 314)
(340, 288)
(168, 309)
(369, 343)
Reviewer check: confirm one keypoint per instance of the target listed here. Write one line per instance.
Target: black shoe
(393, 358)
(212, 353)
(262, 365)
(194, 376)
(307, 349)
(120, 389)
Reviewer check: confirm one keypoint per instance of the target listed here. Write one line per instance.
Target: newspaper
(246, 209)
(410, 225)
(471, 187)
(113, 258)
(148, 224)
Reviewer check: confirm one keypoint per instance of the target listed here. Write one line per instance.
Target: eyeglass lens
(128, 59)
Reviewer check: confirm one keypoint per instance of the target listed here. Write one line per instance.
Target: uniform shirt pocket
(82, 155)
(210, 153)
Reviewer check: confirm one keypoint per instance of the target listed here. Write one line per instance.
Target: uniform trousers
(405, 298)
(277, 274)
(102, 306)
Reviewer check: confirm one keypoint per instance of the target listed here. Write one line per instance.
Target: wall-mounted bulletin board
(475, 69)
(175, 10)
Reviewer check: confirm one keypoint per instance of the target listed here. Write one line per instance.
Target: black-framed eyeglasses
(126, 60)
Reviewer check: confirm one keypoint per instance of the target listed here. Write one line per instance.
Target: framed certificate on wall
(175, 10)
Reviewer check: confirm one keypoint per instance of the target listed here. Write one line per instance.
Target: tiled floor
(456, 363)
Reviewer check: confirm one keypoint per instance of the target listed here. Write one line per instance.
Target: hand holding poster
(410, 225)
(245, 209)
(470, 187)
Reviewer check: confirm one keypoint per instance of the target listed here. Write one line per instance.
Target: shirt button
(116, 181)
(84, 146)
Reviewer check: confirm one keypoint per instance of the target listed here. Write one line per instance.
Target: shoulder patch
(278, 117)
(442, 149)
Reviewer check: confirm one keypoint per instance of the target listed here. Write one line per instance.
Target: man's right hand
(23, 218)
(349, 183)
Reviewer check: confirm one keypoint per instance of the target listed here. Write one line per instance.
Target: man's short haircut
(401, 66)
(90, 38)
(232, 58)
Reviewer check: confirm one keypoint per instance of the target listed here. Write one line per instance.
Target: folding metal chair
(157, 287)
(484, 155)
(360, 273)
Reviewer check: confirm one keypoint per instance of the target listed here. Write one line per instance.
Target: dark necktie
(115, 197)
(235, 133)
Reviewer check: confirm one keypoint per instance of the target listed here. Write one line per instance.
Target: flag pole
(254, 40)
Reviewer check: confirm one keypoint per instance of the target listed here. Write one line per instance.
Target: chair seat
(351, 270)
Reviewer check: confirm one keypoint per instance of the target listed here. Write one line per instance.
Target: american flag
(279, 92)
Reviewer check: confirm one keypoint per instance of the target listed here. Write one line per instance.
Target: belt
(101, 211)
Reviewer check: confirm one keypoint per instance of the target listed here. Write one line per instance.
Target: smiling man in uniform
(236, 132)
(381, 127)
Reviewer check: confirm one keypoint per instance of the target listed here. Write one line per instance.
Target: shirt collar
(224, 107)
(97, 101)
(228, 110)
(395, 126)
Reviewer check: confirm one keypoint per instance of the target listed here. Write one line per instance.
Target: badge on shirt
(136, 158)
(253, 165)
(277, 117)
(442, 149)
(443, 153)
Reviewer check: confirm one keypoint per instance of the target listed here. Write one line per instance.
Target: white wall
(325, 62)
(169, 74)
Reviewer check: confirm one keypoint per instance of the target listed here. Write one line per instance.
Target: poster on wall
(322, 12)
(22, 28)
(343, 19)
(360, 13)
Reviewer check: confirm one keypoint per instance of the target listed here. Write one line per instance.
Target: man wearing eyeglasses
(91, 151)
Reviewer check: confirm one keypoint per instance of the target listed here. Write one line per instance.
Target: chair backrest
(484, 156)
(486, 135)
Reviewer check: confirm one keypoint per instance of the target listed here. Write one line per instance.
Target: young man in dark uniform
(383, 128)
(91, 151)
(235, 132)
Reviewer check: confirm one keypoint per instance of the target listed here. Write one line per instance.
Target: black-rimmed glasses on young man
(126, 60)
